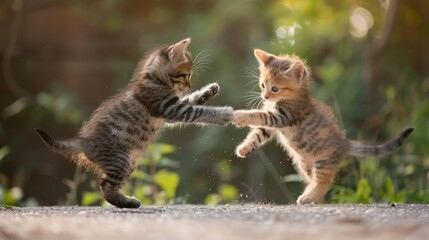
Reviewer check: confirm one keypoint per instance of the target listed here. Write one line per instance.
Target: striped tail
(64, 147)
(362, 150)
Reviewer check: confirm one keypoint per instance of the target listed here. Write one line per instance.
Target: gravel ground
(220, 222)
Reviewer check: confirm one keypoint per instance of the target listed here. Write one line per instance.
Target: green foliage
(11, 196)
(226, 193)
(7, 196)
(3, 152)
(62, 105)
(168, 181)
(90, 198)
(375, 185)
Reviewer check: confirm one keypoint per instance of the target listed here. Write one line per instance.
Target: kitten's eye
(262, 85)
(181, 76)
(275, 89)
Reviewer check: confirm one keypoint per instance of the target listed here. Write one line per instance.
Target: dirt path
(221, 222)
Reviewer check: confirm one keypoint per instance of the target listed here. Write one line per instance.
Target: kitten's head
(172, 64)
(281, 77)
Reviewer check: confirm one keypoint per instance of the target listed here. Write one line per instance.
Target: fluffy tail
(64, 147)
(361, 149)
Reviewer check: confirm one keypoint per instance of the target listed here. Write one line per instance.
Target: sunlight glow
(285, 32)
(361, 21)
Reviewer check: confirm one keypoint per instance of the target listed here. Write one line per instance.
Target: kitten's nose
(266, 96)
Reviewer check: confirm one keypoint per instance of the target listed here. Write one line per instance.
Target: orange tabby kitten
(305, 127)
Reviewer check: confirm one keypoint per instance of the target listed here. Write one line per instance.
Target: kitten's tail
(362, 149)
(67, 146)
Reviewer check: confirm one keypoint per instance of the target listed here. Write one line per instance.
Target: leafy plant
(225, 192)
(373, 184)
(11, 196)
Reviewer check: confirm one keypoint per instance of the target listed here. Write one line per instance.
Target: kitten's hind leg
(322, 176)
(110, 190)
(113, 176)
(305, 171)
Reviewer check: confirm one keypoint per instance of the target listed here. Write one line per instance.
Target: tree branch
(373, 51)
(11, 83)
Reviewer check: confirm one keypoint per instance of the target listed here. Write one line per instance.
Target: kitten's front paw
(210, 91)
(243, 150)
(214, 88)
(241, 118)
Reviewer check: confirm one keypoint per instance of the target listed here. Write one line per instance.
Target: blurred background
(60, 59)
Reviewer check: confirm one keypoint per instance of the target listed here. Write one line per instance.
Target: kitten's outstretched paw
(243, 150)
(241, 118)
(214, 88)
(210, 91)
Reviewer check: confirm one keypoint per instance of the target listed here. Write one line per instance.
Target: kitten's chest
(284, 137)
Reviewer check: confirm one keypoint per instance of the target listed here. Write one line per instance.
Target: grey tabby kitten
(121, 128)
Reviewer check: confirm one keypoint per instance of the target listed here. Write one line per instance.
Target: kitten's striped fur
(305, 127)
(119, 131)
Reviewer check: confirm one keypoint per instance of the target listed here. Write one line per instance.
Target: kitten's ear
(176, 52)
(263, 57)
(297, 71)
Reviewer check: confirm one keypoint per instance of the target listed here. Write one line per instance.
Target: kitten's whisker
(253, 88)
(249, 103)
(249, 99)
(255, 103)
(198, 71)
(253, 81)
(250, 76)
(251, 95)
(200, 67)
(202, 57)
(260, 103)
(203, 67)
(252, 101)
(202, 61)
(247, 92)
(202, 64)
(197, 58)
(252, 71)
